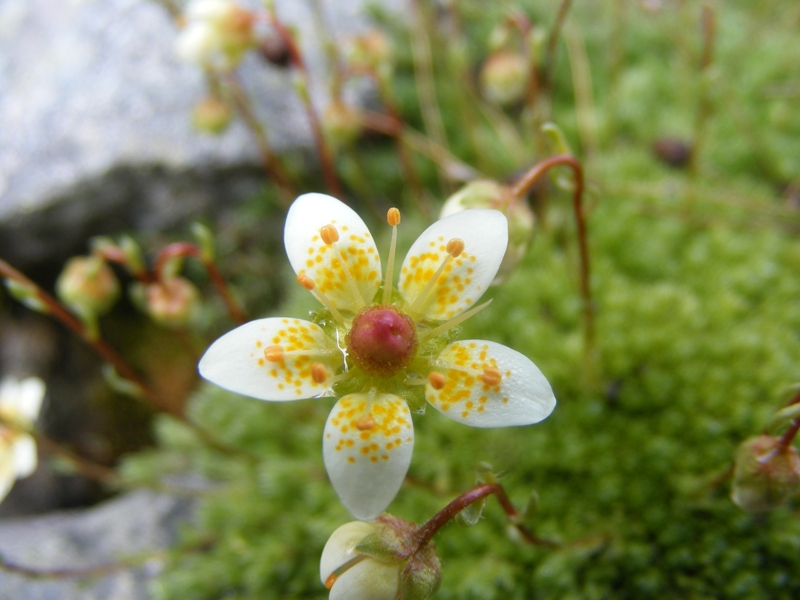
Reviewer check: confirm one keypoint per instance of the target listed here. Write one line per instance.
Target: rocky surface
(94, 115)
(133, 525)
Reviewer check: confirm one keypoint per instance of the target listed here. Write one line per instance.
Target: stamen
(329, 234)
(393, 217)
(273, 353)
(331, 580)
(454, 248)
(365, 423)
(423, 335)
(308, 283)
(491, 376)
(437, 380)
(318, 372)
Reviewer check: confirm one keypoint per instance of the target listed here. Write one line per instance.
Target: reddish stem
(272, 164)
(525, 184)
(323, 150)
(788, 436)
(187, 249)
(425, 533)
(77, 326)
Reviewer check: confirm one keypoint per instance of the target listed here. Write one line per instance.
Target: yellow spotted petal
(484, 384)
(273, 359)
(367, 447)
(347, 271)
(465, 277)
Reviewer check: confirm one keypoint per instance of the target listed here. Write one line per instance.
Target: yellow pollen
(329, 234)
(365, 423)
(437, 380)
(491, 376)
(455, 247)
(305, 281)
(393, 217)
(331, 580)
(318, 372)
(273, 353)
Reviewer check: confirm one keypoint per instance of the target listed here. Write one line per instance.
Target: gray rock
(138, 523)
(94, 115)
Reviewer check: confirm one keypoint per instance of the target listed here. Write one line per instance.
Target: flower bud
(765, 474)
(371, 51)
(88, 285)
(212, 115)
(504, 77)
(379, 561)
(484, 193)
(172, 302)
(341, 123)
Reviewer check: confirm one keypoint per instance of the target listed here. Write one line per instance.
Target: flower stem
(788, 436)
(424, 80)
(123, 369)
(524, 185)
(272, 164)
(425, 533)
(322, 147)
(552, 40)
(106, 352)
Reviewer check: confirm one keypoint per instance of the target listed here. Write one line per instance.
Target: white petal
(348, 288)
(29, 400)
(466, 277)
(367, 580)
(7, 476)
(522, 395)
(340, 547)
(238, 360)
(23, 451)
(367, 447)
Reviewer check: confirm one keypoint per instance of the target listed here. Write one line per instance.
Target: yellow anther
(273, 353)
(329, 234)
(491, 376)
(331, 580)
(393, 216)
(318, 372)
(305, 281)
(455, 247)
(437, 380)
(365, 423)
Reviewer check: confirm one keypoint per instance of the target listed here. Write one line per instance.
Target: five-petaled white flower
(20, 402)
(381, 348)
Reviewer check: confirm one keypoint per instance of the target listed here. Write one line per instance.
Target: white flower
(382, 349)
(20, 402)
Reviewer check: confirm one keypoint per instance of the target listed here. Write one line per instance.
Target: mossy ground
(695, 279)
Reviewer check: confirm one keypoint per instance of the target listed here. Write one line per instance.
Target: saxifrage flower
(20, 402)
(384, 349)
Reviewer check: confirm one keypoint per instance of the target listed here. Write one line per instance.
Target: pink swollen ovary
(382, 340)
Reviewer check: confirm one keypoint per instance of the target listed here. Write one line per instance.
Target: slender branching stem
(788, 436)
(320, 143)
(426, 88)
(552, 41)
(425, 533)
(524, 185)
(270, 160)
